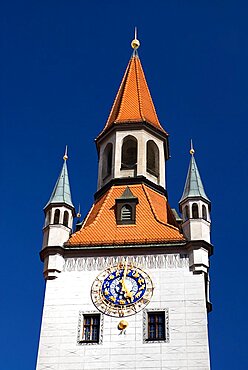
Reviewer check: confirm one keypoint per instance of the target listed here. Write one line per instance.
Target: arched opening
(204, 212)
(56, 216)
(107, 161)
(129, 153)
(48, 218)
(195, 212)
(186, 213)
(152, 158)
(66, 218)
(126, 213)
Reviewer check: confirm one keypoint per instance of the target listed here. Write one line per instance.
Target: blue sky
(60, 67)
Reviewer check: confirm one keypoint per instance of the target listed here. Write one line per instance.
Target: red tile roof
(133, 102)
(154, 221)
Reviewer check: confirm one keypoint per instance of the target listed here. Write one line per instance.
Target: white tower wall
(176, 290)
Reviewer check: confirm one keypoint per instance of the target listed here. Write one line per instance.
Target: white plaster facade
(56, 234)
(176, 289)
(142, 136)
(196, 228)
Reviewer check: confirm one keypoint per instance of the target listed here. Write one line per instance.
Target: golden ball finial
(135, 44)
(192, 151)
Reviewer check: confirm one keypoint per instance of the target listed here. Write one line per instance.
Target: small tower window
(204, 212)
(126, 213)
(129, 153)
(56, 216)
(107, 161)
(48, 218)
(65, 218)
(186, 213)
(195, 212)
(152, 158)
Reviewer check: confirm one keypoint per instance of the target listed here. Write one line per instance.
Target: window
(56, 216)
(204, 212)
(107, 161)
(152, 158)
(156, 326)
(195, 213)
(126, 213)
(90, 330)
(48, 218)
(66, 218)
(129, 153)
(186, 213)
(126, 208)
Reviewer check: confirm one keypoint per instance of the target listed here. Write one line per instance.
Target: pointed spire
(193, 186)
(61, 192)
(133, 102)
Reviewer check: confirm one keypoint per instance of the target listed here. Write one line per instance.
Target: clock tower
(129, 287)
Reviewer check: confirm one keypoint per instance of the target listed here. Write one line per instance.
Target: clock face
(121, 290)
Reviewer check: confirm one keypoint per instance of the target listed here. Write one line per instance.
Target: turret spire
(62, 192)
(193, 185)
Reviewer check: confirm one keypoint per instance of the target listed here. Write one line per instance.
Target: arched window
(65, 218)
(56, 216)
(48, 218)
(152, 158)
(107, 160)
(186, 213)
(129, 152)
(126, 213)
(195, 213)
(204, 212)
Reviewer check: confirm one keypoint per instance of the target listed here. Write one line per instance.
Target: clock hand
(124, 287)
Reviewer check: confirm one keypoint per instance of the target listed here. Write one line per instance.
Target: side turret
(195, 205)
(59, 214)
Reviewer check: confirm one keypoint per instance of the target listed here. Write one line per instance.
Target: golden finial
(192, 151)
(78, 213)
(135, 43)
(65, 155)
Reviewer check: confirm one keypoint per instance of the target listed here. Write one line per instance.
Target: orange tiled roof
(133, 102)
(154, 220)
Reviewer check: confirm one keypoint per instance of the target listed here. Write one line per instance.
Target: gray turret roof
(61, 192)
(193, 186)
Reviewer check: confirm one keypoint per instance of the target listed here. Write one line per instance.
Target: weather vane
(65, 155)
(135, 43)
(192, 151)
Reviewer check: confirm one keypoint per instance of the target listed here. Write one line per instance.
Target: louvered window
(126, 213)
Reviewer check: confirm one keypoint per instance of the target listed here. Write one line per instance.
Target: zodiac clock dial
(121, 290)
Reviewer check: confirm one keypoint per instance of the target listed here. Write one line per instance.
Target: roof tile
(133, 102)
(154, 223)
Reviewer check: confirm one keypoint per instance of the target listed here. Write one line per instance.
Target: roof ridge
(150, 96)
(125, 78)
(155, 213)
(101, 209)
(139, 92)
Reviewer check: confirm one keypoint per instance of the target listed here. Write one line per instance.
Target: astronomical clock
(122, 290)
